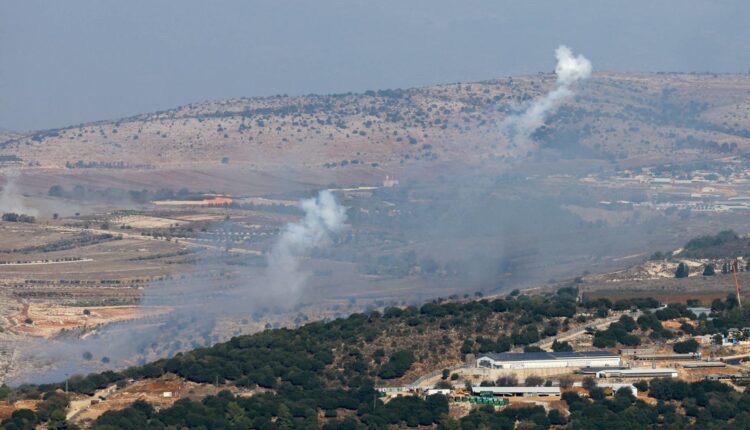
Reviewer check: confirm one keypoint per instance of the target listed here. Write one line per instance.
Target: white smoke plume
(569, 70)
(11, 199)
(323, 217)
(194, 307)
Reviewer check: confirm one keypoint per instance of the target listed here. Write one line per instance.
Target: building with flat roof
(517, 391)
(636, 351)
(541, 360)
(669, 356)
(638, 372)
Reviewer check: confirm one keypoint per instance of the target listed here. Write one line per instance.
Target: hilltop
(626, 118)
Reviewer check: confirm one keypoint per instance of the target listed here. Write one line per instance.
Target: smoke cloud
(195, 305)
(569, 70)
(11, 199)
(323, 217)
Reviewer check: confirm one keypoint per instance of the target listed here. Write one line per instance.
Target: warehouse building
(546, 360)
(669, 356)
(638, 372)
(517, 391)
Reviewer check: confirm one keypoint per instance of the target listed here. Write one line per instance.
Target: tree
(87, 355)
(709, 270)
(682, 271)
(628, 323)
(507, 381)
(556, 418)
(588, 383)
(284, 417)
(690, 345)
(565, 382)
(442, 384)
(533, 381)
(397, 365)
(561, 346)
(236, 415)
(641, 385)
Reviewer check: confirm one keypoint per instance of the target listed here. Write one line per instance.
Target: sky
(64, 63)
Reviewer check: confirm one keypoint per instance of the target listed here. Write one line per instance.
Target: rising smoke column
(323, 217)
(195, 308)
(11, 199)
(569, 70)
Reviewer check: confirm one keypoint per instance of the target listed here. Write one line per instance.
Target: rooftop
(592, 370)
(640, 371)
(516, 390)
(538, 356)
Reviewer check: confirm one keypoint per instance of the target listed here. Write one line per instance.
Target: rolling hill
(633, 119)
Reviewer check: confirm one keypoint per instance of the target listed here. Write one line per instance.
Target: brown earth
(50, 319)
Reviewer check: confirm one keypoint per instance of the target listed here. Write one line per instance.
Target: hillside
(631, 118)
(323, 374)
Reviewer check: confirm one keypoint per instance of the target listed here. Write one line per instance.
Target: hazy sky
(67, 62)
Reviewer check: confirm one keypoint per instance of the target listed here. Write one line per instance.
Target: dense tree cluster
(699, 405)
(320, 376)
(618, 332)
(51, 411)
(14, 217)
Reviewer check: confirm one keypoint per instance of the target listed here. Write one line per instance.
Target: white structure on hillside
(517, 391)
(544, 360)
(638, 372)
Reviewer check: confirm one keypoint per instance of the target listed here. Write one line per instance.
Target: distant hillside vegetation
(725, 244)
(652, 118)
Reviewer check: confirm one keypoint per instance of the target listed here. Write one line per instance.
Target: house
(541, 360)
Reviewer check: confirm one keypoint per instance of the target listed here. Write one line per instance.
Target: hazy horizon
(66, 63)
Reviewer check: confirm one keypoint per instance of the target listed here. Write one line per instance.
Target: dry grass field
(49, 320)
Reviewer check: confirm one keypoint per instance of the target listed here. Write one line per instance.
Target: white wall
(544, 364)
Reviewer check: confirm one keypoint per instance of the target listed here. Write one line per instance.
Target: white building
(517, 391)
(638, 372)
(544, 360)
